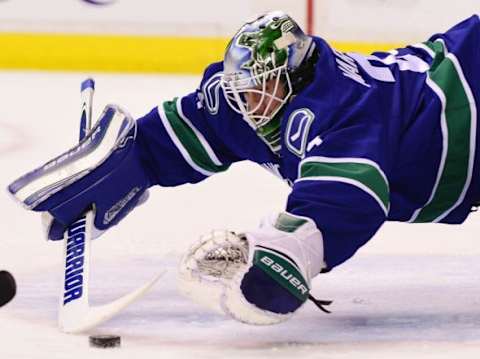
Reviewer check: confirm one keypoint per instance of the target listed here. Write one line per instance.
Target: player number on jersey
(372, 65)
(405, 63)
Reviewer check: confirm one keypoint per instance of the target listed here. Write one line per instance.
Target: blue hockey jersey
(390, 136)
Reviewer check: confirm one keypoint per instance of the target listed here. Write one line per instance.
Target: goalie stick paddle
(75, 314)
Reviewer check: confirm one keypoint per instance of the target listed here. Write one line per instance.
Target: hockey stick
(75, 313)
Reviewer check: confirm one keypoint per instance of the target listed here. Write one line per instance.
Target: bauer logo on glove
(283, 271)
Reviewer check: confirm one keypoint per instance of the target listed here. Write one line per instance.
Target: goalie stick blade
(75, 314)
(86, 317)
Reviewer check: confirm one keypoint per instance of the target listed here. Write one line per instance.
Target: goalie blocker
(104, 172)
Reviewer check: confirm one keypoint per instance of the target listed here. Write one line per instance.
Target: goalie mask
(266, 62)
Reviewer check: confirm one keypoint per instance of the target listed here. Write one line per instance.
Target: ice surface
(412, 292)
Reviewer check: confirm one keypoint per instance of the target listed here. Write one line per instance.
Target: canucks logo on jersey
(298, 127)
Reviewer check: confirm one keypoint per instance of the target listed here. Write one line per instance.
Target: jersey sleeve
(343, 186)
(181, 140)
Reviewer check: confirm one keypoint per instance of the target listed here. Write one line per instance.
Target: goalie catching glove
(260, 277)
(104, 172)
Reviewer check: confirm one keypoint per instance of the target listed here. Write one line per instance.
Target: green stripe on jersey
(289, 223)
(363, 175)
(188, 139)
(446, 79)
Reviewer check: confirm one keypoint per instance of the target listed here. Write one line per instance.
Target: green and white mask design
(257, 66)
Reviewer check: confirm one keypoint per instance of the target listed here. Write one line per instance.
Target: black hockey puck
(8, 287)
(104, 341)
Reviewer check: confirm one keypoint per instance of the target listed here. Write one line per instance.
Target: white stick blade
(94, 316)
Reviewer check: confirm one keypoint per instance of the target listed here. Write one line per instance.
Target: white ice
(412, 292)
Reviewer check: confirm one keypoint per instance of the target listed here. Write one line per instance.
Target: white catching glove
(261, 277)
